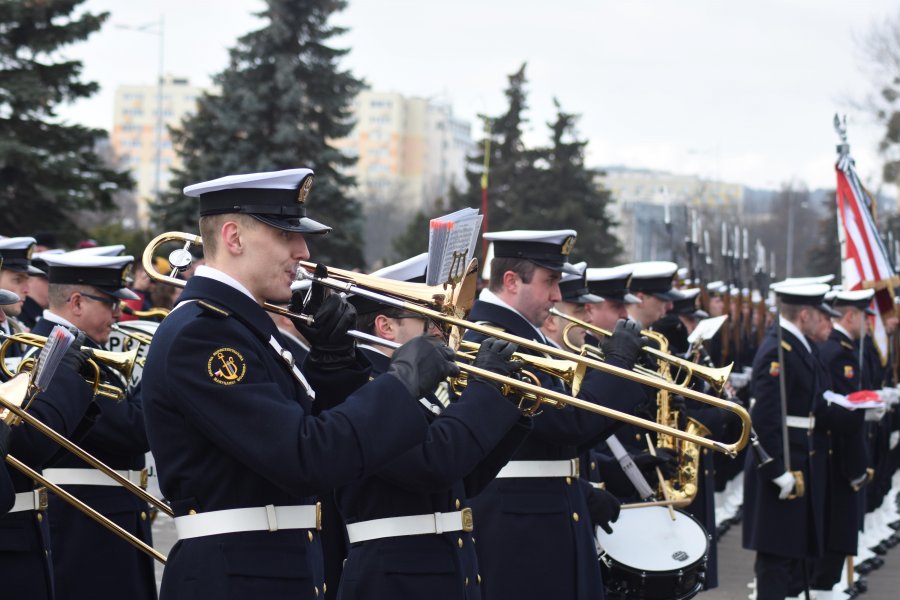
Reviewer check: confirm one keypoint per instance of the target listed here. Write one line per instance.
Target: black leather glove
(4, 439)
(625, 343)
(422, 363)
(603, 508)
(75, 358)
(494, 356)
(333, 317)
(665, 459)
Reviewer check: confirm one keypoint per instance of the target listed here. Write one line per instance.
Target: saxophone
(682, 488)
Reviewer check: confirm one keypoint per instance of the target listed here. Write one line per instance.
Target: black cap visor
(8, 297)
(668, 296)
(825, 308)
(120, 293)
(295, 224)
(559, 267)
(585, 298)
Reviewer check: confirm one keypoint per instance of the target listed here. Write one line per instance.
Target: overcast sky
(741, 91)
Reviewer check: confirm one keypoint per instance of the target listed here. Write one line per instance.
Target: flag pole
(484, 185)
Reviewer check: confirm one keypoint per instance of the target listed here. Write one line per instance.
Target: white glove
(889, 395)
(786, 483)
(831, 396)
(894, 439)
(875, 414)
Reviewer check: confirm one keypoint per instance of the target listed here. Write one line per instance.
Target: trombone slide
(84, 508)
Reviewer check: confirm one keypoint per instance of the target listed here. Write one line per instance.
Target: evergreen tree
(513, 176)
(282, 98)
(825, 255)
(569, 196)
(49, 169)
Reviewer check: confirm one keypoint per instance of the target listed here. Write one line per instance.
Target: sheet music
(48, 360)
(453, 234)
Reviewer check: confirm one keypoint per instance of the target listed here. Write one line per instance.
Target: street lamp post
(156, 28)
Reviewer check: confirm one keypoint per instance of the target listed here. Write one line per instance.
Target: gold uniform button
(40, 517)
(568, 481)
(637, 436)
(324, 587)
(192, 512)
(575, 517)
(458, 503)
(309, 535)
(459, 542)
(593, 465)
(316, 590)
(143, 516)
(467, 582)
(479, 579)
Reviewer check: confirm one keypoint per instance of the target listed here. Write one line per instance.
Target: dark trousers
(778, 577)
(827, 570)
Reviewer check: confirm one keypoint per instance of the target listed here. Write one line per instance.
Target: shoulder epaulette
(847, 345)
(213, 309)
(490, 324)
(786, 346)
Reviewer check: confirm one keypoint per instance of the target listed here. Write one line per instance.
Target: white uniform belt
(33, 500)
(258, 518)
(93, 477)
(540, 468)
(800, 422)
(434, 523)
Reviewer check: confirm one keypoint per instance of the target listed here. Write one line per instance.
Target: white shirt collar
(222, 277)
(491, 298)
(793, 329)
(55, 318)
(840, 328)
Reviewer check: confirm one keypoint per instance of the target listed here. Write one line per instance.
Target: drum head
(647, 539)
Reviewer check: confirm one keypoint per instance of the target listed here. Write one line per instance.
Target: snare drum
(650, 556)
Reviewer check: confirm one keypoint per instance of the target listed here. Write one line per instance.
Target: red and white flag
(865, 262)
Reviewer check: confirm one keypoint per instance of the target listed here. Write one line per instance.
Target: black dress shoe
(860, 586)
(877, 562)
(863, 568)
(880, 549)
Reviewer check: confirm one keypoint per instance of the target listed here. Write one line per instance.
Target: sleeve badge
(775, 369)
(226, 366)
(848, 371)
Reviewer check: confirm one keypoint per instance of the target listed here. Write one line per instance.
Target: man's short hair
(521, 267)
(791, 312)
(211, 224)
(59, 293)
(365, 322)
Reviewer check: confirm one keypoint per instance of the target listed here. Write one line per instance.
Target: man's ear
(230, 237)
(511, 282)
(384, 327)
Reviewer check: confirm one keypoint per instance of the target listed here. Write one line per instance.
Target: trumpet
(123, 362)
(715, 377)
(450, 307)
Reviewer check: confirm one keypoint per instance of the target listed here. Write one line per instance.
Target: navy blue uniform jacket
(256, 441)
(112, 568)
(847, 456)
(788, 528)
(25, 553)
(535, 538)
(461, 451)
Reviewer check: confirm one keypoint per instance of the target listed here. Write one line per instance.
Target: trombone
(715, 377)
(453, 305)
(13, 394)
